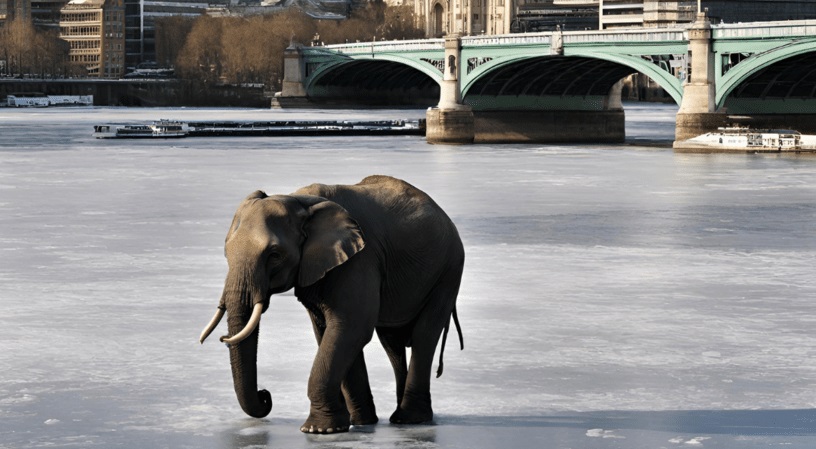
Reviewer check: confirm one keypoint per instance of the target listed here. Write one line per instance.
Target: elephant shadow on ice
(794, 422)
(278, 434)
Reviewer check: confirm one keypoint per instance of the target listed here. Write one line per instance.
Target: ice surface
(614, 296)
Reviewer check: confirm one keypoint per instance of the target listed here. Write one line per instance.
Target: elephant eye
(274, 255)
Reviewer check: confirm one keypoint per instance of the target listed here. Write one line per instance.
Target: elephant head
(274, 244)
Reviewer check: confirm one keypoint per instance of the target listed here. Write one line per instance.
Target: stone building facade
(759, 10)
(549, 15)
(470, 17)
(466, 17)
(95, 32)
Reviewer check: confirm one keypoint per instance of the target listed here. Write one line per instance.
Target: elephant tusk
(211, 326)
(248, 329)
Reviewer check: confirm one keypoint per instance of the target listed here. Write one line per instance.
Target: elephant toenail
(330, 430)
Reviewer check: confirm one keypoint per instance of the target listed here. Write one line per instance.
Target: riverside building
(469, 17)
(95, 32)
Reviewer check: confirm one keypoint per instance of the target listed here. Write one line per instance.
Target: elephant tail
(445, 338)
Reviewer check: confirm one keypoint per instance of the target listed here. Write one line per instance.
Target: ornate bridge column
(450, 121)
(698, 113)
(293, 73)
(293, 92)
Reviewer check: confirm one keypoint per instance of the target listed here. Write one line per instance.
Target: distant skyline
(438, 17)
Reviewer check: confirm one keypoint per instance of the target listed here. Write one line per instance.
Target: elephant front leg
(328, 412)
(357, 392)
(335, 356)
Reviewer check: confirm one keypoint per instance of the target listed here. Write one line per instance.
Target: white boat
(150, 70)
(28, 100)
(157, 129)
(742, 139)
(70, 100)
(39, 100)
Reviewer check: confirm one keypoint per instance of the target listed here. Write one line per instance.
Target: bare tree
(399, 22)
(200, 58)
(28, 51)
(171, 33)
(250, 49)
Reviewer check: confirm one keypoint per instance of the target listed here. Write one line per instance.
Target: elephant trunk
(243, 359)
(238, 299)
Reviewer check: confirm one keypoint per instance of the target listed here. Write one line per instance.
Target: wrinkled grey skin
(380, 255)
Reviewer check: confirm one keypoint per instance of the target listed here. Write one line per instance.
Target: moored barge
(163, 129)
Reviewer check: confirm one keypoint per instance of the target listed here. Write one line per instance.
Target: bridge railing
(386, 46)
(507, 39)
(765, 29)
(721, 31)
(659, 35)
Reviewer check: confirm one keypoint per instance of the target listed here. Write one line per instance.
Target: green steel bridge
(763, 68)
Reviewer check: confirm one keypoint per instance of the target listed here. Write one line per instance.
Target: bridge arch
(423, 66)
(789, 67)
(670, 83)
(570, 82)
(386, 79)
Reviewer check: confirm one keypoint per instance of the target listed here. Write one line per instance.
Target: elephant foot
(402, 416)
(413, 409)
(364, 418)
(326, 425)
(321, 431)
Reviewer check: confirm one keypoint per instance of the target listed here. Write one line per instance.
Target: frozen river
(613, 296)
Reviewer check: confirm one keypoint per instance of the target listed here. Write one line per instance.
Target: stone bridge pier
(698, 110)
(450, 121)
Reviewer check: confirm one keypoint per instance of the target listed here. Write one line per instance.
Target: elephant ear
(332, 237)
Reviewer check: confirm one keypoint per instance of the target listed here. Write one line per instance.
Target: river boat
(27, 100)
(70, 100)
(743, 139)
(307, 128)
(40, 100)
(161, 129)
(150, 70)
(170, 128)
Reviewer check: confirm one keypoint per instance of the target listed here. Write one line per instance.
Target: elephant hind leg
(415, 404)
(394, 341)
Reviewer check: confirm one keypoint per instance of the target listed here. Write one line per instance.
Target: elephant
(378, 255)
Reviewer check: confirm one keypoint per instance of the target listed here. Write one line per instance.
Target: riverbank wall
(144, 92)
